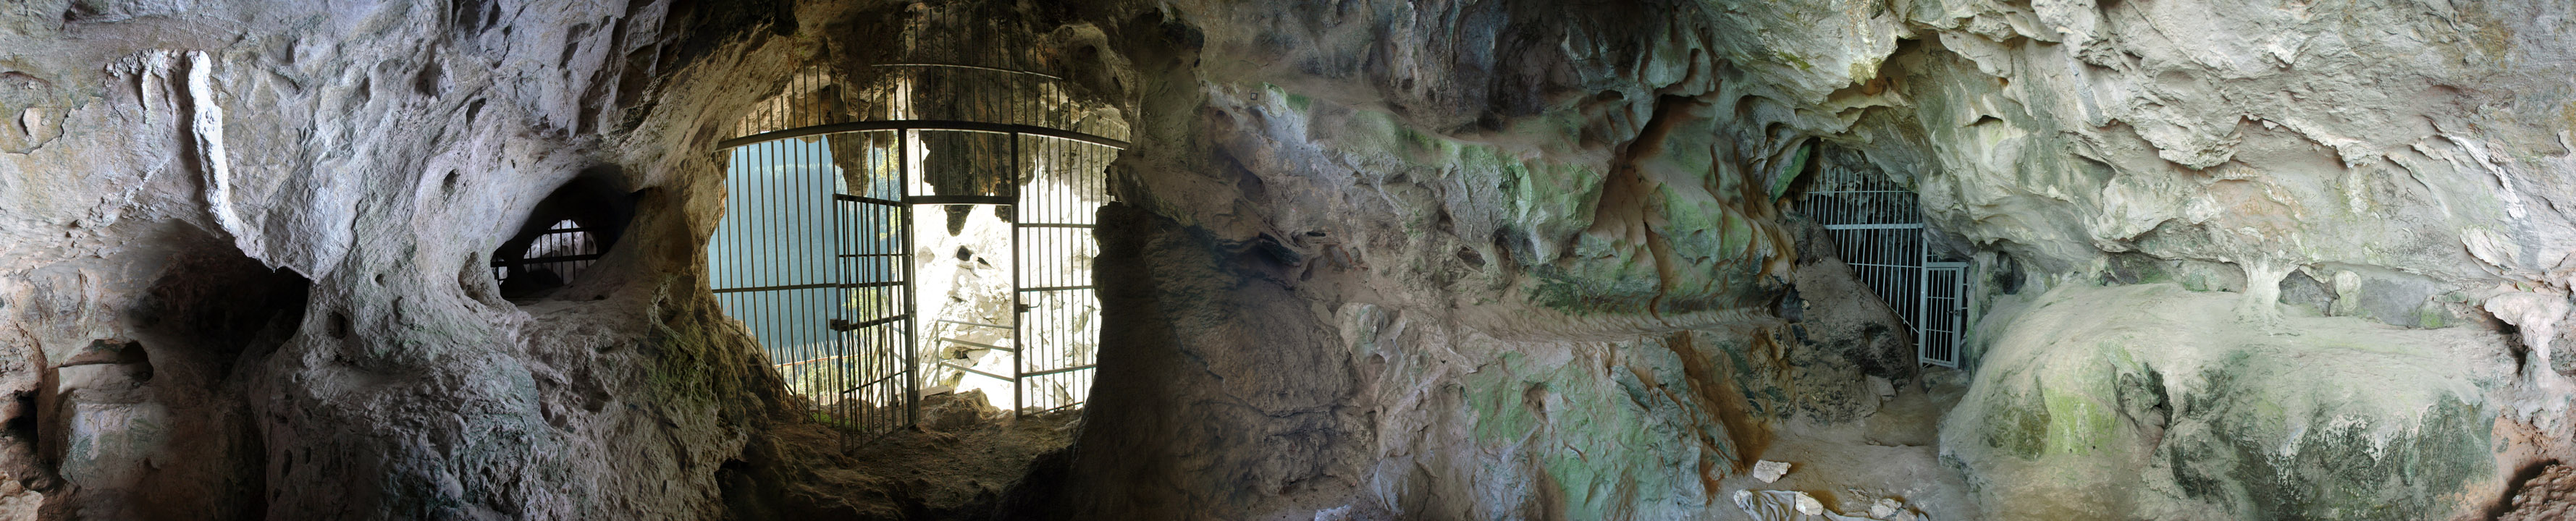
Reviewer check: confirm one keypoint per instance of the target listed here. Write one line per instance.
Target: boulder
(2140, 402)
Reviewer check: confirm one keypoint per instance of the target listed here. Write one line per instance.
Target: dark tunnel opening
(565, 234)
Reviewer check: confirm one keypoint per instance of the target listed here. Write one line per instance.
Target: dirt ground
(961, 459)
(1889, 454)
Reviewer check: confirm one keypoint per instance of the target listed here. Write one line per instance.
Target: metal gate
(563, 249)
(802, 259)
(1877, 228)
(1059, 332)
(1943, 314)
(854, 334)
(876, 378)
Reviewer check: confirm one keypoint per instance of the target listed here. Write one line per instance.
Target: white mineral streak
(206, 127)
(2537, 315)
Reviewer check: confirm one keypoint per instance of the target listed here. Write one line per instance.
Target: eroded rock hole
(339, 325)
(1469, 256)
(563, 236)
(155, 421)
(551, 257)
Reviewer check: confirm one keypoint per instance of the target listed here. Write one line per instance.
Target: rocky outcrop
(244, 267)
(2549, 494)
(2329, 418)
(2301, 153)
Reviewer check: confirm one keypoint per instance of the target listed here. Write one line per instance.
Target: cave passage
(551, 257)
(563, 235)
(878, 266)
(1070, 260)
(1878, 230)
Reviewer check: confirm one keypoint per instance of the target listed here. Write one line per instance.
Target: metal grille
(871, 260)
(802, 259)
(1877, 228)
(562, 250)
(896, 166)
(1059, 310)
(1944, 312)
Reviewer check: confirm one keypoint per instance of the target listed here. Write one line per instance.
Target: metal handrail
(978, 344)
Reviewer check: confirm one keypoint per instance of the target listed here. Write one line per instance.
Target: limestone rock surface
(1425, 259)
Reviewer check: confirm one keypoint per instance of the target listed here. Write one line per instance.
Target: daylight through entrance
(879, 261)
(1877, 228)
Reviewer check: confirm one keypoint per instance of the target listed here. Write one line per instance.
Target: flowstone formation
(2326, 418)
(1371, 259)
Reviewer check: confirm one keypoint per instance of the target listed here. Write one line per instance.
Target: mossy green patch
(2431, 316)
(2078, 424)
(1598, 442)
(2347, 468)
(2019, 428)
(2332, 423)
(1793, 60)
(2339, 456)
(1789, 174)
(1622, 283)
(1537, 205)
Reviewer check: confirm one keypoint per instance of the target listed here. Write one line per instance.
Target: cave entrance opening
(563, 235)
(546, 258)
(879, 261)
(1878, 229)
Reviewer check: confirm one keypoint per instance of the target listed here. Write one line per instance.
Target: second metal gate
(801, 259)
(1877, 228)
(872, 258)
(1058, 308)
(1942, 316)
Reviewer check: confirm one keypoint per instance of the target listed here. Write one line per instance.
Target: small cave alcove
(564, 235)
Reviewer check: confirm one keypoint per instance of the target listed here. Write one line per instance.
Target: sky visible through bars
(783, 239)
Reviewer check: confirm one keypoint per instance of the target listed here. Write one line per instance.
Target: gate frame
(1857, 195)
(1954, 329)
(905, 132)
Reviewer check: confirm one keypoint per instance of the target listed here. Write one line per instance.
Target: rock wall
(1419, 259)
(245, 275)
(1455, 260)
(2326, 418)
(1514, 190)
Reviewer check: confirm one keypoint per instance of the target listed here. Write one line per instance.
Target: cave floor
(958, 461)
(1893, 453)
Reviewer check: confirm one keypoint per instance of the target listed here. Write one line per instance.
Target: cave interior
(1777, 260)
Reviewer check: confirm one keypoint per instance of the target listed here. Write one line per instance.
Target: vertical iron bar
(794, 264)
(801, 192)
(1019, 324)
(839, 302)
(841, 275)
(1959, 320)
(1922, 321)
(760, 299)
(912, 299)
(769, 221)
